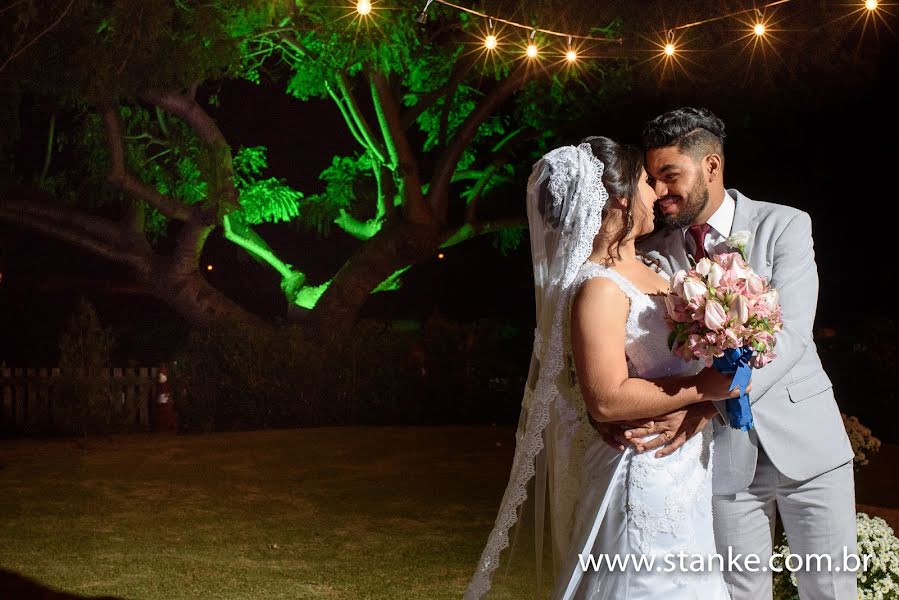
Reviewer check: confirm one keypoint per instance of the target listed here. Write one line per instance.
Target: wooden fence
(36, 401)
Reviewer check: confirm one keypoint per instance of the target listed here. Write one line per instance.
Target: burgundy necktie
(698, 233)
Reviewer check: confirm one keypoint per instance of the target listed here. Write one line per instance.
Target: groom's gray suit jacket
(797, 420)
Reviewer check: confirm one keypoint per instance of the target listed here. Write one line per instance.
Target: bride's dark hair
(620, 177)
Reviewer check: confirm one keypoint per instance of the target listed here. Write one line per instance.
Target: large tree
(137, 170)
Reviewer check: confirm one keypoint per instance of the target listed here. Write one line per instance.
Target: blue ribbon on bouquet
(736, 362)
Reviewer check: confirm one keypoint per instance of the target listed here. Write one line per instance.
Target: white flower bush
(881, 579)
(864, 444)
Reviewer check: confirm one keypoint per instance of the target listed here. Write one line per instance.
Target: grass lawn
(349, 513)
(304, 513)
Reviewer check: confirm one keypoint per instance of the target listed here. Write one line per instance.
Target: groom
(797, 460)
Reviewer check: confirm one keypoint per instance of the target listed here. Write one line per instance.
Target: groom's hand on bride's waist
(671, 430)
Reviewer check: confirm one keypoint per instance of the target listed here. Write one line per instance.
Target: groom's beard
(693, 205)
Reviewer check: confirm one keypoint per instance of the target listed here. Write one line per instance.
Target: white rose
(738, 239)
(716, 272)
(703, 266)
(677, 282)
(694, 289)
(770, 298)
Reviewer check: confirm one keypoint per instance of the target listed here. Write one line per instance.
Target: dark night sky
(827, 148)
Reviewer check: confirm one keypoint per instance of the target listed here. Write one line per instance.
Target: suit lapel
(744, 220)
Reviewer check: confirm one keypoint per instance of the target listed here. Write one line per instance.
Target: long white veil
(565, 200)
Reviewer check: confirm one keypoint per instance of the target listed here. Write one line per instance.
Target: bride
(600, 355)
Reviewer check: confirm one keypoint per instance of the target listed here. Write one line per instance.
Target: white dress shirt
(721, 222)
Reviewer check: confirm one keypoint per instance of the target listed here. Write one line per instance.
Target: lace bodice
(646, 336)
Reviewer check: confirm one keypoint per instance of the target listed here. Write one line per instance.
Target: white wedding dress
(623, 506)
(631, 505)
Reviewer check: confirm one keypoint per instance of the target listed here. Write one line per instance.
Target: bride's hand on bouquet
(673, 429)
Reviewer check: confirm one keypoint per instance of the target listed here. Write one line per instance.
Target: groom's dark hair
(695, 131)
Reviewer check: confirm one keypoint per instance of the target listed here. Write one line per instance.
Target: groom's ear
(713, 165)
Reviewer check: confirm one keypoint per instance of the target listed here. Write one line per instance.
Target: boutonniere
(738, 241)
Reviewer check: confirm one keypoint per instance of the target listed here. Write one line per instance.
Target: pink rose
(694, 290)
(740, 268)
(739, 310)
(755, 285)
(716, 273)
(677, 309)
(715, 317)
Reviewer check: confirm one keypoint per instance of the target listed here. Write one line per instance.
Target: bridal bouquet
(723, 313)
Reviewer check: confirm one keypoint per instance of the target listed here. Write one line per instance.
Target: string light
(520, 25)
(571, 54)
(532, 47)
(759, 30)
(441, 256)
(363, 7)
(208, 267)
(490, 41)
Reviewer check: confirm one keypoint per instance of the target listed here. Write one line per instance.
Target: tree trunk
(195, 298)
(385, 253)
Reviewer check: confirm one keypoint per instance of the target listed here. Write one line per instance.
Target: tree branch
(239, 232)
(94, 234)
(121, 178)
(187, 108)
(364, 128)
(471, 210)
(446, 164)
(17, 51)
(469, 231)
(400, 151)
(351, 125)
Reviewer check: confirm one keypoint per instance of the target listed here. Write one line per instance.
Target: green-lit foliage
(119, 52)
(267, 200)
(508, 240)
(393, 282)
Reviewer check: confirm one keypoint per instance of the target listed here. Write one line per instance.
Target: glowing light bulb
(571, 56)
(490, 42)
(363, 7)
(759, 29)
(669, 49)
(871, 4)
(532, 51)
(208, 267)
(441, 256)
